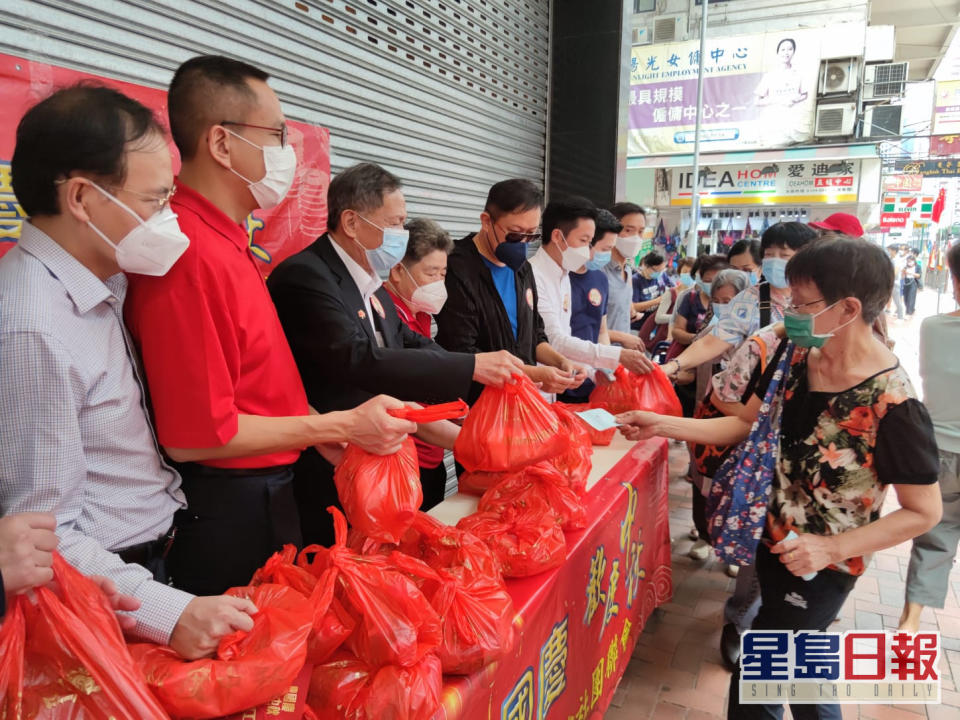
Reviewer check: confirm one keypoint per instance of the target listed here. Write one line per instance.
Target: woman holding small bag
(833, 423)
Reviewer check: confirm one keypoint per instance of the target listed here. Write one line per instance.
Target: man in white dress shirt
(568, 228)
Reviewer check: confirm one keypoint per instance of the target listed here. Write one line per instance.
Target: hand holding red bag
(249, 669)
(575, 463)
(650, 391)
(597, 437)
(509, 428)
(396, 625)
(75, 663)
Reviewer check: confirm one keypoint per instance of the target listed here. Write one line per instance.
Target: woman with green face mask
(840, 424)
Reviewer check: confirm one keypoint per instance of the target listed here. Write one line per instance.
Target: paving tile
(700, 715)
(850, 712)
(885, 712)
(663, 676)
(696, 699)
(868, 621)
(714, 678)
(688, 657)
(668, 711)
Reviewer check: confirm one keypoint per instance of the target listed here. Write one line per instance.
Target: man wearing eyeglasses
(492, 295)
(229, 404)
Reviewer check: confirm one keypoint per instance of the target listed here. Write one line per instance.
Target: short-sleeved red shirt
(210, 340)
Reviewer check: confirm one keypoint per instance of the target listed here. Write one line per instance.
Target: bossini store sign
(833, 181)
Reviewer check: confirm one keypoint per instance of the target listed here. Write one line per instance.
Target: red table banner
(578, 624)
(274, 234)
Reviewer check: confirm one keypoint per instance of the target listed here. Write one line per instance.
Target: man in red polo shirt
(229, 404)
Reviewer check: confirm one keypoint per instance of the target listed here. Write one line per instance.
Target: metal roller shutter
(450, 95)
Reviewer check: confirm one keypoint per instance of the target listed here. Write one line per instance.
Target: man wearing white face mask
(92, 169)
(620, 274)
(568, 228)
(229, 404)
(345, 334)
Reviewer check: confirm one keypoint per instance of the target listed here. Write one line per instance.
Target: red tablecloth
(577, 625)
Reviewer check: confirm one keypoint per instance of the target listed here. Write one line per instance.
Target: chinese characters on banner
(850, 667)
(581, 621)
(946, 110)
(828, 181)
(274, 234)
(759, 92)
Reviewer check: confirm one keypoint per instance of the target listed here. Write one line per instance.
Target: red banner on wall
(581, 621)
(274, 234)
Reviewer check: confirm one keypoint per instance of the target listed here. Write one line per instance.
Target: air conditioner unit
(885, 80)
(882, 121)
(642, 35)
(839, 77)
(835, 120)
(670, 28)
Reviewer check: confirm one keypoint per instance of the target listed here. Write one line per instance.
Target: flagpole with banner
(693, 241)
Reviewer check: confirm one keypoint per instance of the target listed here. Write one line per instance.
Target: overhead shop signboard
(759, 91)
(946, 110)
(769, 184)
(947, 167)
(898, 208)
(903, 183)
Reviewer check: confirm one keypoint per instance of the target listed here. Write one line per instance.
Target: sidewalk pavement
(676, 672)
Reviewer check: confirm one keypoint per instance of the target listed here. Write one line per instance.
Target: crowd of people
(173, 418)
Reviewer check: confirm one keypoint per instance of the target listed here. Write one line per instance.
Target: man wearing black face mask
(491, 293)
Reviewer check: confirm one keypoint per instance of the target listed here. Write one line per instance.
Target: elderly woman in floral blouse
(851, 427)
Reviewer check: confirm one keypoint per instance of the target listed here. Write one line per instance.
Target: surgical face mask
(427, 298)
(600, 260)
(751, 277)
(799, 327)
(280, 164)
(775, 272)
(686, 279)
(391, 250)
(629, 246)
(720, 310)
(656, 274)
(704, 286)
(152, 247)
(573, 258)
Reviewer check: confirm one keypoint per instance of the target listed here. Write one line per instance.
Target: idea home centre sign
(835, 181)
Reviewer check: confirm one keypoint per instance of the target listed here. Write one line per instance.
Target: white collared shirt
(367, 284)
(554, 305)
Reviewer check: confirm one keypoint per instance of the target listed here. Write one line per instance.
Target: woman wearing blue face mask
(837, 423)
(691, 315)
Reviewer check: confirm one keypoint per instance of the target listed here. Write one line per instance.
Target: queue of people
(179, 418)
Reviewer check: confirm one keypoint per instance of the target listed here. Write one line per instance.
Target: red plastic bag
(380, 493)
(525, 541)
(349, 689)
(12, 642)
(396, 625)
(74, 659)
(444, 547)
(618, 396)
(432, 413)
(531, 488)
(249, 669)
(575, 463)
(655, 393)
(331, 622)
(509, 428)
(479, 481)
(597, 437)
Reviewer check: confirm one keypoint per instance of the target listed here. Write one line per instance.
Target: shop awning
(823, 152)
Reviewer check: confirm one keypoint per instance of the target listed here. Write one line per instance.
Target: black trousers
(789, 602)
(234, 521)
(910, 296)
(700, 514)
(315, 491)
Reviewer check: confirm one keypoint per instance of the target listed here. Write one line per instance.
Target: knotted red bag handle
(432, 413)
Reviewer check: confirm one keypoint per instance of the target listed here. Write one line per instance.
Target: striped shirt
(77, 440)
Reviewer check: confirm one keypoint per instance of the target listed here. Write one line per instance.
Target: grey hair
(360, 187)
(735, 278)
(426, 236)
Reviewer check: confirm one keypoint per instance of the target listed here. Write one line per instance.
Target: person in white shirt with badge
(568, 228)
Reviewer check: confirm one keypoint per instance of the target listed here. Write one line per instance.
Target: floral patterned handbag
(740, 492)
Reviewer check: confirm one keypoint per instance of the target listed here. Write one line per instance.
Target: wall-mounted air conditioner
(885, 80)
(835, 119)
(670, 28)
(839, 77)
(642, 35)
(882, 121)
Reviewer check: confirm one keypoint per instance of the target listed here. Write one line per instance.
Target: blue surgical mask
(511, 254)
(600, 260)
(686, 279)
(751, 277)
(656, 274)
(775, 272)
(720, 311)
(391, 250)
(705, 286)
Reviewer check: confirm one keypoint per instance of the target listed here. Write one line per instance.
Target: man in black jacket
(491, 293)
(347, 339)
